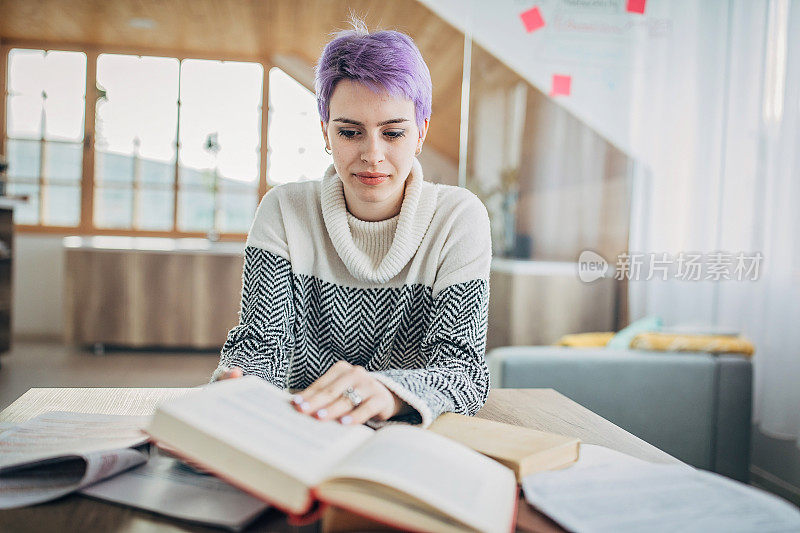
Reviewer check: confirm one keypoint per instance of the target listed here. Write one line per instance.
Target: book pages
(59, 452)
(48, 481)
(448, 476)
(60, 433)
(259, 420)
(97, 400)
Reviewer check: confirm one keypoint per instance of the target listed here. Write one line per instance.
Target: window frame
(86, 224)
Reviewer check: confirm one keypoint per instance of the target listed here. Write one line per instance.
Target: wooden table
(543, 409)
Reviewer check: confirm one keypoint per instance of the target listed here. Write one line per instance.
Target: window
(220, 138)
(176, 144)
(154, 110)
(136, 124)
(296, 147)
(45, 104)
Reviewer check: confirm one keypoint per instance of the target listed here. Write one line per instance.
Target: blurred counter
(185, 293)
(154, 244)
(151, 292)
(536, 302)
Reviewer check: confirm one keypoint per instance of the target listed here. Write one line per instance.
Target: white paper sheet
(609, 492)
(165, 486)
(593, 456)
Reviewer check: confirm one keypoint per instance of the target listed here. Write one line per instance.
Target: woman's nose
(372, 152)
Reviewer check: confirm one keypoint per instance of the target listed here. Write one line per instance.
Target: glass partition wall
(552, 185)
(554, 189)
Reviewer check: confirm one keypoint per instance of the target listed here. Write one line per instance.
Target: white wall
(38, 286)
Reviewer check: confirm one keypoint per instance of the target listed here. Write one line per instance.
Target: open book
(58, 452)
(246, 432)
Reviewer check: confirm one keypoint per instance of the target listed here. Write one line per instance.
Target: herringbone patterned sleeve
(455, 377)
(263, 341)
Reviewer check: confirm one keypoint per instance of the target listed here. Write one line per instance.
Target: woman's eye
(350, 134)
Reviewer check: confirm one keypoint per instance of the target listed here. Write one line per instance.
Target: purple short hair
(383, 61)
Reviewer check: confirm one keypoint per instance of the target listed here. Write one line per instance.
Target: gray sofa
(694, 406)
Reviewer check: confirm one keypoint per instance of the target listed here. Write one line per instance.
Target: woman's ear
(324, 127)
(424, 132)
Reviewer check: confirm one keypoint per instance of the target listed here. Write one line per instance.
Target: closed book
(523, 450)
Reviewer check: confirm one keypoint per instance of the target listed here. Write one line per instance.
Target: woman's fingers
(324, 396)
(374, 407)
(301, 399)
(325, 400)
(337, 409)
(372, 393)
(232, 373)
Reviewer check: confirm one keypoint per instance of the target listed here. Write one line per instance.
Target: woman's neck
(375, 211)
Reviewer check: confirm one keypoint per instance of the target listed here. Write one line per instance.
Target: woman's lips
(372, 178)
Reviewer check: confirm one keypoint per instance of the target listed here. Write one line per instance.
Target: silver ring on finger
(353, 396)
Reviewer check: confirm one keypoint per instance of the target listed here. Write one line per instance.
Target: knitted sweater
(406, 298)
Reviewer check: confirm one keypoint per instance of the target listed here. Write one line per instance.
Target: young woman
(368, 291)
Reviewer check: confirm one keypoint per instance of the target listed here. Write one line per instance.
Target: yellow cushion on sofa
(672, 342)
(586, 340)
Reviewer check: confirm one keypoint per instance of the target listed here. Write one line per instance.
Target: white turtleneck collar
(378, 251)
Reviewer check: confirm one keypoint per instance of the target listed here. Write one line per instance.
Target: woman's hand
(231, 373)
(325, 398)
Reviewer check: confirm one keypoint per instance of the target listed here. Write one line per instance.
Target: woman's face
(373, 138)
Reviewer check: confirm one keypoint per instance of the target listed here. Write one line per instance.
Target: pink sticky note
(532, 19)
(635, 6)
(561, 85)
